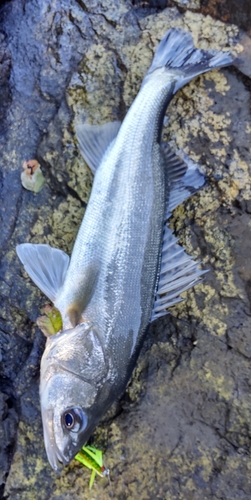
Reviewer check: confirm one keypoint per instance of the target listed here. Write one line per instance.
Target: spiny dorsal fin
(178, 273)
(94, 140)
(45, 265)
(183, 178)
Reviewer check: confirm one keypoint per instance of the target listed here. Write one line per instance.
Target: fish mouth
(56, 460)
(54, 455)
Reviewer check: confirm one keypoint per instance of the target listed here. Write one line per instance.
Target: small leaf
(32, 177)
(51, 323)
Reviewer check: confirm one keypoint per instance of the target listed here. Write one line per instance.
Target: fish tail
(176, 53)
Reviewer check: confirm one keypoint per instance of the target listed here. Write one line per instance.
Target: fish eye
(69, 420)
(74, 419)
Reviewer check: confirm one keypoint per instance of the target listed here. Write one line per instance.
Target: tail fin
(176, 52)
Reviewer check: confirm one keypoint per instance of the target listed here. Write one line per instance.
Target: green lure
(91, 457)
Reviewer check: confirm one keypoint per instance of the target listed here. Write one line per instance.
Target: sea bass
(126, 267)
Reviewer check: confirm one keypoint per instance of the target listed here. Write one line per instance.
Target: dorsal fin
(94, 140)
(45, 265)
(178, 273)
(183, 178)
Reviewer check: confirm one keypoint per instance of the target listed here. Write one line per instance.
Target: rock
(5, 94)
(8, 424)
(230, 11)
(183, 431)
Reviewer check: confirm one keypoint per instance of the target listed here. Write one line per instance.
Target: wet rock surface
(183, 431)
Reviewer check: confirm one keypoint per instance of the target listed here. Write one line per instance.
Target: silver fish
(126, 267)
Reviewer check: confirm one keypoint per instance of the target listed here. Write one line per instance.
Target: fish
(126, 267)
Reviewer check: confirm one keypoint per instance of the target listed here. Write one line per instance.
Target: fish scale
(128, 215)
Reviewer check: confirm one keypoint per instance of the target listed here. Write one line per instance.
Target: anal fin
(178, 273)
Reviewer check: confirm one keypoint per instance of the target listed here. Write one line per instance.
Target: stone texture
(183, 429)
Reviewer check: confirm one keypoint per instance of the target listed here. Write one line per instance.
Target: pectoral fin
(178, 273)
(45, 265)
(86, 286)
(94, 140)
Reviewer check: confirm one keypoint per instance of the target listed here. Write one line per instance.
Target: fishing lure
(91, 457)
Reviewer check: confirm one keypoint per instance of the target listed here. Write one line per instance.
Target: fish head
(74, 391)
